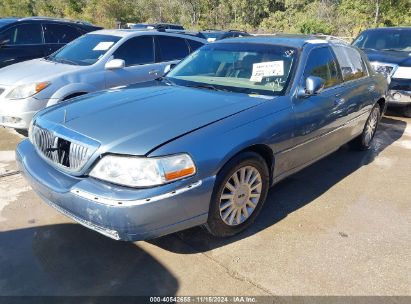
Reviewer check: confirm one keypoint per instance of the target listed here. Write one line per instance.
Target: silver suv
(95, 61)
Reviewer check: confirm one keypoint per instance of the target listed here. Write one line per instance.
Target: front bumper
(117, 212)
(17, 114)
(398, 98)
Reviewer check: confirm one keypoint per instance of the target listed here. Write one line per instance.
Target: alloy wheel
(240, 195)
(371, 126)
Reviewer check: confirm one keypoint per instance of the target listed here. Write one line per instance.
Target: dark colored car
(157, 26)
(202, 145)
(389, 51)
(23, 39)
(214, 35)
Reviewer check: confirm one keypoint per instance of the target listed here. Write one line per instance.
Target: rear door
(359, 88)
(170, 50)
(25, 42)
(57, 35)
(318, 117)
(140, 62)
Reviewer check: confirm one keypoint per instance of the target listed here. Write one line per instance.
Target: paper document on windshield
(103, 46)
(267, 69)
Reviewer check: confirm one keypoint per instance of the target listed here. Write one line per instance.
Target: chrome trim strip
(128, 203)
(324, 134)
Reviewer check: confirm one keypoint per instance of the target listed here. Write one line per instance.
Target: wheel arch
(261, 149)
(382, 103)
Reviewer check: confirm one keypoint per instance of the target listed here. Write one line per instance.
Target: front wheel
(363, 142)
(239, 194)
(406, 111)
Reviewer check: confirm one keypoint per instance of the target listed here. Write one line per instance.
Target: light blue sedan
(203, 145)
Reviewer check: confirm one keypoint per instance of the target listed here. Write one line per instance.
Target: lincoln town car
(202, 145)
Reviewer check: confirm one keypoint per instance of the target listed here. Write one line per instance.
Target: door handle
(339, 101)
(154, 72)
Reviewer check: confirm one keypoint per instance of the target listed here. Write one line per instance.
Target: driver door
(139, 57)
(318, 117)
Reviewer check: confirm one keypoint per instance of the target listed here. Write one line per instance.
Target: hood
(33, 71)
(137, 120)
(400, 58)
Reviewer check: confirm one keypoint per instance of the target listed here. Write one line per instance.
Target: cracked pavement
(340, 227)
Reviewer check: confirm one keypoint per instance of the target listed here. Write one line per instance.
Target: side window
(60, 33)
(321, 63)
(351, 63)
(172, 48)
(194, 44)
(136, 51)
(24, 34)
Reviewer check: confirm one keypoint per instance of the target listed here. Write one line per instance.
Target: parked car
(214, 35)
(202, 145)
(389, 50)
(96, 61)
(34, 37)
(151, 26)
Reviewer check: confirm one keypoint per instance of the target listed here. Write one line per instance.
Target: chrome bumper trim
(127, 203)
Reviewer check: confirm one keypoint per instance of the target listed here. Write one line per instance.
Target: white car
(96, 61)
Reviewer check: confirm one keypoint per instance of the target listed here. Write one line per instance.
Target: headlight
(387, 69)
(27, 90)
(143, 171)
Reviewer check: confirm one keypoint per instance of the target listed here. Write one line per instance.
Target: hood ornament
(65, 116)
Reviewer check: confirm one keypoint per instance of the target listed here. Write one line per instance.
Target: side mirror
(314, 85)
(169, 67)
(115, 64)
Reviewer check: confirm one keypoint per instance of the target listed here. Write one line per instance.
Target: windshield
(85, 50)
(214, 35)
(387, 39)
(237, 67)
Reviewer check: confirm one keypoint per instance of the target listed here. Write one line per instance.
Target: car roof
(139, 32)
(388, 28)
(293, 40)
(9, 20)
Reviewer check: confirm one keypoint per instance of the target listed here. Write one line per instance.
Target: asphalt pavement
(340, 227)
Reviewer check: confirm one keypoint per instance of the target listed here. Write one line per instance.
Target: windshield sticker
(103, 46)
(316, 41)
(211, 39)
(267, 69)
(289, 53)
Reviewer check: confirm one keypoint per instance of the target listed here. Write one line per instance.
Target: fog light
(396, 96)
(11, 120)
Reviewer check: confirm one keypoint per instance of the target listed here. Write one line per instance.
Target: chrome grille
(59, 150)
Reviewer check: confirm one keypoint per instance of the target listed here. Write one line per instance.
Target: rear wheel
(363, 142)
(239, 194)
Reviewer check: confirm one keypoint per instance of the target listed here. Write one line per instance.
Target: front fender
(213, 146)
(70, 89)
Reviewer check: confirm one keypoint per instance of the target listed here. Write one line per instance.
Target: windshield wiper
(207, 86)
(64, 60)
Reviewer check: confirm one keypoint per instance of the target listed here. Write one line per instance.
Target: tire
(23, 132)
(406, 111)
(364, 140)
(242, 199)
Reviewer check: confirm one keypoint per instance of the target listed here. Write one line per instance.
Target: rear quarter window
(60, 33)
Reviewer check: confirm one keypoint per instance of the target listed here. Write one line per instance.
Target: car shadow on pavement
(292, 193)
(70, 260)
